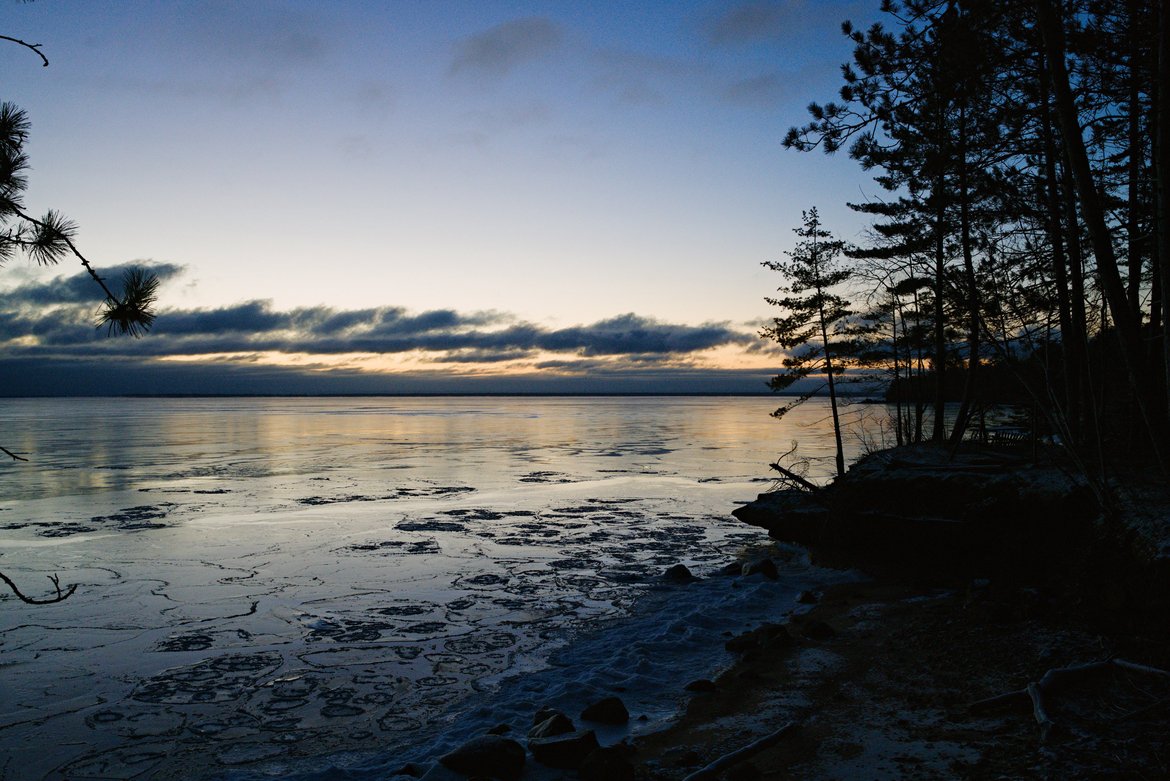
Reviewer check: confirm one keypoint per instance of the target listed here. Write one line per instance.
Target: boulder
(493, 755)
(793, 516)
(556, 724)
(734, 568)
(817, 630)
(564, 752)
(765, 567)
(678, 574)
(543, 715)
(701, 686)
(610, 710)
(765, 636)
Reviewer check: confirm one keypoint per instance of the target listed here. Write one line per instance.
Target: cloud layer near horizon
(48, 324)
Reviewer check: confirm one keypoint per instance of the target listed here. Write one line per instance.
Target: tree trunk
(1070, 342)
(898, 418)
(1093, 212)
(1136, 252)
(938, 433)
(972, 296)
(1162, 183)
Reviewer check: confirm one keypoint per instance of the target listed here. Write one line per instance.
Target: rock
(494, 755)
(556, 724)
(793, 516)
(701, 685)
(806, 598)
(607, 764)
(610, 710)
(440, 773)
(817, 630)
(412, 769)
(678, 574)
(765, 567)
(500, 729)
(734, 568)
(544, 714)
(565, 752)
(765, 636)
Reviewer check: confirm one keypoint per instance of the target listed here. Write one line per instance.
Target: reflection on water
(264, 579)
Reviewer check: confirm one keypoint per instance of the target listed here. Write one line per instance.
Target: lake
(291, 586)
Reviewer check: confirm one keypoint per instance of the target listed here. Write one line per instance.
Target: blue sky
(418, 195)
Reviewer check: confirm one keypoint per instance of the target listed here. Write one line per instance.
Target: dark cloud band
(58, 315)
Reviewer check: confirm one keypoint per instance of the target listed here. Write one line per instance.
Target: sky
(401, 197)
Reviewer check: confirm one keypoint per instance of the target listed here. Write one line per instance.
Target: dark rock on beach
(765, 567)
(924, 510)
(764, 637)
(610, 710)
(701, 686)
(816, 630)
(499, 757)
(556, 724)
(544, 714)
(565, 752)
(678, 574)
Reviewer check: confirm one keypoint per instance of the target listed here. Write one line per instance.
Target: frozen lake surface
(287, 587)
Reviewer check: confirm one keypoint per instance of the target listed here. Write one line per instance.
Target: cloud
(755, 21)
(55, 318)
(498, 51)
(767, 90)
(80, 288)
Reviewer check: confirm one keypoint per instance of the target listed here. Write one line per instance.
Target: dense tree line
(1024, 146)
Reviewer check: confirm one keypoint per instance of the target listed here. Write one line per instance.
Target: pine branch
(72, 248)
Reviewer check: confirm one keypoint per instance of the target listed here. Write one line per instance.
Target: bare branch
(35, 47)
(15, 457)
(61, 595)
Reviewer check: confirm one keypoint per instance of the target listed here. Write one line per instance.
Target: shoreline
(884, 693)
(879, 676)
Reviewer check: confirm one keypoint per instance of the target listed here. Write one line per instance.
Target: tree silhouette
(817, 322)
(46, 240)
(1024, 146)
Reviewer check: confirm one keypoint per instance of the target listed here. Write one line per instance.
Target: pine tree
(817, 323)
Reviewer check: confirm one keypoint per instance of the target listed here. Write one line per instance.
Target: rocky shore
(990, 571)
(1006, 629)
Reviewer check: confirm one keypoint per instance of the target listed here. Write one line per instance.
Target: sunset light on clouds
(420, 197)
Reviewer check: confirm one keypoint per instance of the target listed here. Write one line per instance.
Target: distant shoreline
(535, 394)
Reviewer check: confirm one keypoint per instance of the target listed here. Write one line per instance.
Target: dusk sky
(420, 196)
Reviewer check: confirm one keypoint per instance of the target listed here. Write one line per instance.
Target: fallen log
(739, 755)
(1052, 680)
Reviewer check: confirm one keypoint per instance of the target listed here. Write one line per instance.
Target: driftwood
(62, 594)
(1054, 679)
(735, 757)
(799, 482)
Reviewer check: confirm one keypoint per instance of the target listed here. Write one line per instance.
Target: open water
(328, 587)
